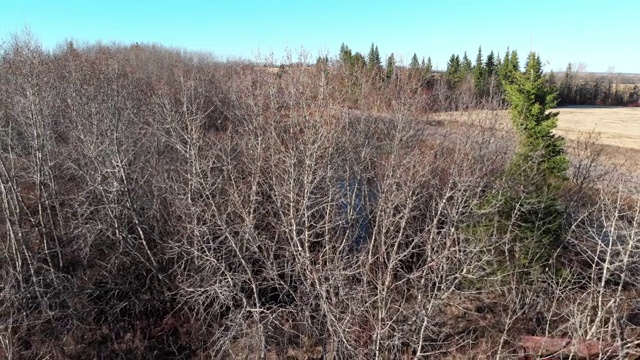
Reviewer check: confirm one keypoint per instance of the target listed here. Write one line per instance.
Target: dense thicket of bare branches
(160, 204)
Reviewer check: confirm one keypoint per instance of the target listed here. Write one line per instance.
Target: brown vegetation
(554, 348)
(158, 204)
(617, 126)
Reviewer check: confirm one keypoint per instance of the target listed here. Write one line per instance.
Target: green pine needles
(530, 211)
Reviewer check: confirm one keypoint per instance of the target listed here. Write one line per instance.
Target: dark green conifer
(454, 73)
(374, 62)
(414, 65)
(479, 75)
(490, 65)
(531, 209)
(466, 65)
(391, 66)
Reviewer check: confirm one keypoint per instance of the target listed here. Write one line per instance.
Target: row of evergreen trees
(373, 62)
(488, 74)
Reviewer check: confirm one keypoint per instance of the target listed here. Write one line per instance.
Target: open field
(617, 126)
(616, 129)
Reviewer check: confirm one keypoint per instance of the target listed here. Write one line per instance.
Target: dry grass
(618, 126)
(615, 129)
(624, 87)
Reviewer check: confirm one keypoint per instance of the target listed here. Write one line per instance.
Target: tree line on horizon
(486, 76)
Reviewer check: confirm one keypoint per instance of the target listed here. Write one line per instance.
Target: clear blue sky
(599, 33)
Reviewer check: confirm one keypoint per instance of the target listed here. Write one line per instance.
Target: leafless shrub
(177, 206)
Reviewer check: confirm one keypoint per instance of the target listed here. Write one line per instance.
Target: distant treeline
(485, 77)
(579, 88)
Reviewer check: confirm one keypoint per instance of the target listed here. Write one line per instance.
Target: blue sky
(597, 33)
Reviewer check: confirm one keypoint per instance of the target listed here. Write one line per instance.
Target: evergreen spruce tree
(504, 70)
(454, 72)
(414, 65)
(450, 65)
(530, 209)
(490, 75)
(498, 74)
(479, 75)
(466, 65)
(345, 55)
(566, 86)
(358, 61)
(426, 69)
(352, 64)
(490, 65)
(374, 62)
(322, 60)
(552, 81)
(515, 61)
(510, 66)
(391, 65)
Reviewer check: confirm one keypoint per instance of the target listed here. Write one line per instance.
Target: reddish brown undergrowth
(161, 204)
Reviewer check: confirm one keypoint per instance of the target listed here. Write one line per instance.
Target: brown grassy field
(617, 126)
(615, 129)
(624, 87)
